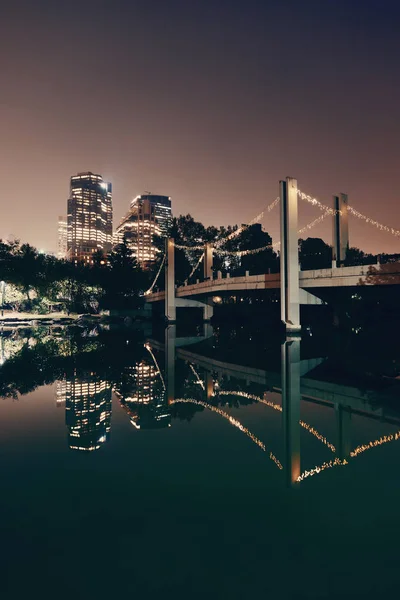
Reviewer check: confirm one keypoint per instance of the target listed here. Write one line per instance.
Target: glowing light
(278, 407)
(194, 268)
(379, 226)
(318, 469)
(233, 422)
(147, 292)
(317, 203)
(373, 444)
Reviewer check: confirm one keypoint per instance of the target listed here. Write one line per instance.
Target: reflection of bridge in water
(294, 386)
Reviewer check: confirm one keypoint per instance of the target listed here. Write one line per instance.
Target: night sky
(210, 102)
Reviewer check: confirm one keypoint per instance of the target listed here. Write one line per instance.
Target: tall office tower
(149, 215)
(87, 411)
(146, 403)
(62, 237)
(89, 217)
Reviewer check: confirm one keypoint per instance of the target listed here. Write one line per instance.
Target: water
(111, 485)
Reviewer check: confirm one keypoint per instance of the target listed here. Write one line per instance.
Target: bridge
(296, 287)
(294, 385)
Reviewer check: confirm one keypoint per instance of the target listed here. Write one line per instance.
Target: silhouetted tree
(314, 253)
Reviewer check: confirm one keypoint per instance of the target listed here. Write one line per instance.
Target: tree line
(37, 282)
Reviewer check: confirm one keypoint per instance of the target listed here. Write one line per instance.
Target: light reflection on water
(173, 422)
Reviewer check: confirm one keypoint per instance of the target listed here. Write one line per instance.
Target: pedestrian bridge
(296, 287)
(309, 281)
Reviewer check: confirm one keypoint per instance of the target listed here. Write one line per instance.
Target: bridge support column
(170, 304)
(290, 300)
(209, 386)
(290, 365)
(343, 428)
(208, 310)
(340, 234)
(170, 347)
(208, 261)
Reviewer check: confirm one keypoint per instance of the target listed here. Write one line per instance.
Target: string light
(245, 252)
(313, 223)
(278, 407)
(147, 292)
(195, 373)
(182, 247)
(326, 465)
(149, 350)
(318, 435)
(317, 203)
(252, 222)
(233, 422)
(194, 268)
(380, 226)
(373, 444)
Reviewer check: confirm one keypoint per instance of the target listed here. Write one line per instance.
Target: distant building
(87, 411)
(149, 216)
(62, 237)
(89, 217)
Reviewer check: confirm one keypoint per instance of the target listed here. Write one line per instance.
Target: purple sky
(210, 102)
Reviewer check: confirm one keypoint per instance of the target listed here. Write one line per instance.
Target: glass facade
(89, 217)
(62, 237)
(149, 216)
(88, 411)
(146, 401)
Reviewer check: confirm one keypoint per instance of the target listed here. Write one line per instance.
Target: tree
(252, 238)
(355, 257)
(314, 253)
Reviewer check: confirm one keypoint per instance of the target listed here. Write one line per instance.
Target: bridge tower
(340, 234)
(208, 261)
(171, 301)
(170, 358)
(170, 304)
(290, 294)
(290, 372)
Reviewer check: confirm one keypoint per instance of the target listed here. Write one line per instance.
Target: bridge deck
(387, 274)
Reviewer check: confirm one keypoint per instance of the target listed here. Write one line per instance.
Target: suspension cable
(380, 226)
(194, 269)
(316, 202)
(147, 292)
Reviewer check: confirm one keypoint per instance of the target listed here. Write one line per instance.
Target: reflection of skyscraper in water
(87, 412)
(144, 397)
(61, 392)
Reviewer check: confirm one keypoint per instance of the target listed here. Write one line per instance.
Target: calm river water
(215, 463)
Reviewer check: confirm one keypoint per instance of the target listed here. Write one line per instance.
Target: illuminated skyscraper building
(149, 216)
(146, 404)
(89, 217)
(87, 412)
(62, 237)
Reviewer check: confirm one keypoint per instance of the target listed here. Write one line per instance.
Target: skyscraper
(149, 215)
(146, 403)
(89, 217)
(62, 237)
(87, 411)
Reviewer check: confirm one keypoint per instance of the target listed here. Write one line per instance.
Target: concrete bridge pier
(290, 295)
(208, 261)
(170, 305)
(290, 370)
(340, 233)
(209, 386)
(170, 350)
(171, 301)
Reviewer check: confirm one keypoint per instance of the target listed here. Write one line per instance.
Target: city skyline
(224, 104)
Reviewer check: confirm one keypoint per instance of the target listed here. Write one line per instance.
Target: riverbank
(11, 317)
